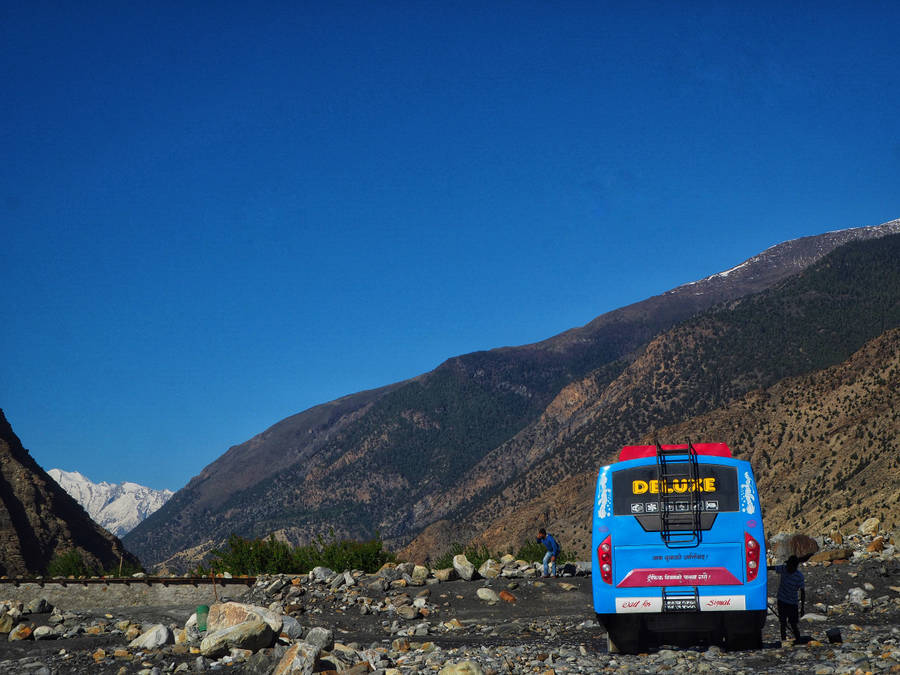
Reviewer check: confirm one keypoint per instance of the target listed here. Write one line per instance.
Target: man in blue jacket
(552, 551)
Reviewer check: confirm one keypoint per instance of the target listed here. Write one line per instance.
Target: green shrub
(70, 564)
(270, 556)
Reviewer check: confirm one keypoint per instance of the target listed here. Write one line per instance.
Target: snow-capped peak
(118, 508)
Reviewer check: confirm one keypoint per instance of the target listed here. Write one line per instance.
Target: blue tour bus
(680, 547)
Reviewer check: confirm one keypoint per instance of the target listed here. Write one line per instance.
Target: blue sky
(215, 215)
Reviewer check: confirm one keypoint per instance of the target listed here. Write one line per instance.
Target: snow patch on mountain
(117, 507)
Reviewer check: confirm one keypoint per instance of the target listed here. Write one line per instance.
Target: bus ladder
(679, 512)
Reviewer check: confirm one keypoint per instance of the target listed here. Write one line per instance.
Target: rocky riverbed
(406, 619)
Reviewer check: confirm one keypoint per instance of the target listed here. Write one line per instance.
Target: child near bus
(791, 582)
(552, 551)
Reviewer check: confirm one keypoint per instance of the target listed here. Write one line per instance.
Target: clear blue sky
(215, 214)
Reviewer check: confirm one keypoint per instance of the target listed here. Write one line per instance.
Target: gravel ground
(548, 628)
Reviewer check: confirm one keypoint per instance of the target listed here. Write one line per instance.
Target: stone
(226, 614)
(506, 596)
(253, 634)
(445, 574)
(291, 627)
(463, 567)
(869, 527)
(6, 622)
(876, 546)
(21, 632)
(832, 555)
(43, 633)
(507, 559)
(153, 638)
(462, 668)
(323, 638)
(419, 575)
(568, 586)
(408, 612)
(38, 606)
(488, 595)
(856, 595)
(490, 569)
(299, 659)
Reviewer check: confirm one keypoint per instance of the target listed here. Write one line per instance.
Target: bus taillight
(604, 559)
(751, 549)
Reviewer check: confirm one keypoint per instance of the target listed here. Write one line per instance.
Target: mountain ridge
(118, 507)
(366, 460)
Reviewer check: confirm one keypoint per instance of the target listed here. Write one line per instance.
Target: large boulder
(254, 634)
(227, 614)
(463, 567)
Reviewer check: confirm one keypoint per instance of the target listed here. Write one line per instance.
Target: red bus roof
(638, 451)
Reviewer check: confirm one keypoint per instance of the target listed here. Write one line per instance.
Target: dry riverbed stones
(408, 619)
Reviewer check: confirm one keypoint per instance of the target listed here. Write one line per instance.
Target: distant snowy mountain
(118, 508)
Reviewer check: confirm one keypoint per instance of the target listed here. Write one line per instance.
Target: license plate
(680, 605)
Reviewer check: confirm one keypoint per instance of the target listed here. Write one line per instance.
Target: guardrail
(128, 581)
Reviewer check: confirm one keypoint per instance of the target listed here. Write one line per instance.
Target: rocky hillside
(400, 459)
(807, 323)
(39, 520)
(117, 507)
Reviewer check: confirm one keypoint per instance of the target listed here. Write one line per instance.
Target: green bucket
(202, 616)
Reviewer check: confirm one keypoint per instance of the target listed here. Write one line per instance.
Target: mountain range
(117, 507)
(491, 444)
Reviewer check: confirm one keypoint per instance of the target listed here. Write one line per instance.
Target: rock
(810, 616)
(869, 527)
(876, 546)
(21, 632)
(253, 634)
(153, 638)
(38, 606)
(6, 622)
(291, 627)
(445, 574)
(506, 596)
(490, 569)
(507, 559)
(463, 567)
(832, 555)
(462, 668)
(226, 614)
(419, 575)
(784, 544)
(408, 612)
(568, 587)
(43, 633)
(488, 595)
(320, 573)
(856, 595)
(299, 659)
(323, 638)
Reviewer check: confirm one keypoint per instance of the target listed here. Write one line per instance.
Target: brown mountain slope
(812, 321)
(401, 458)
(825, 448)
(39, 520)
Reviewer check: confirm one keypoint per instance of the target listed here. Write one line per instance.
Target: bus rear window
(637, 490)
